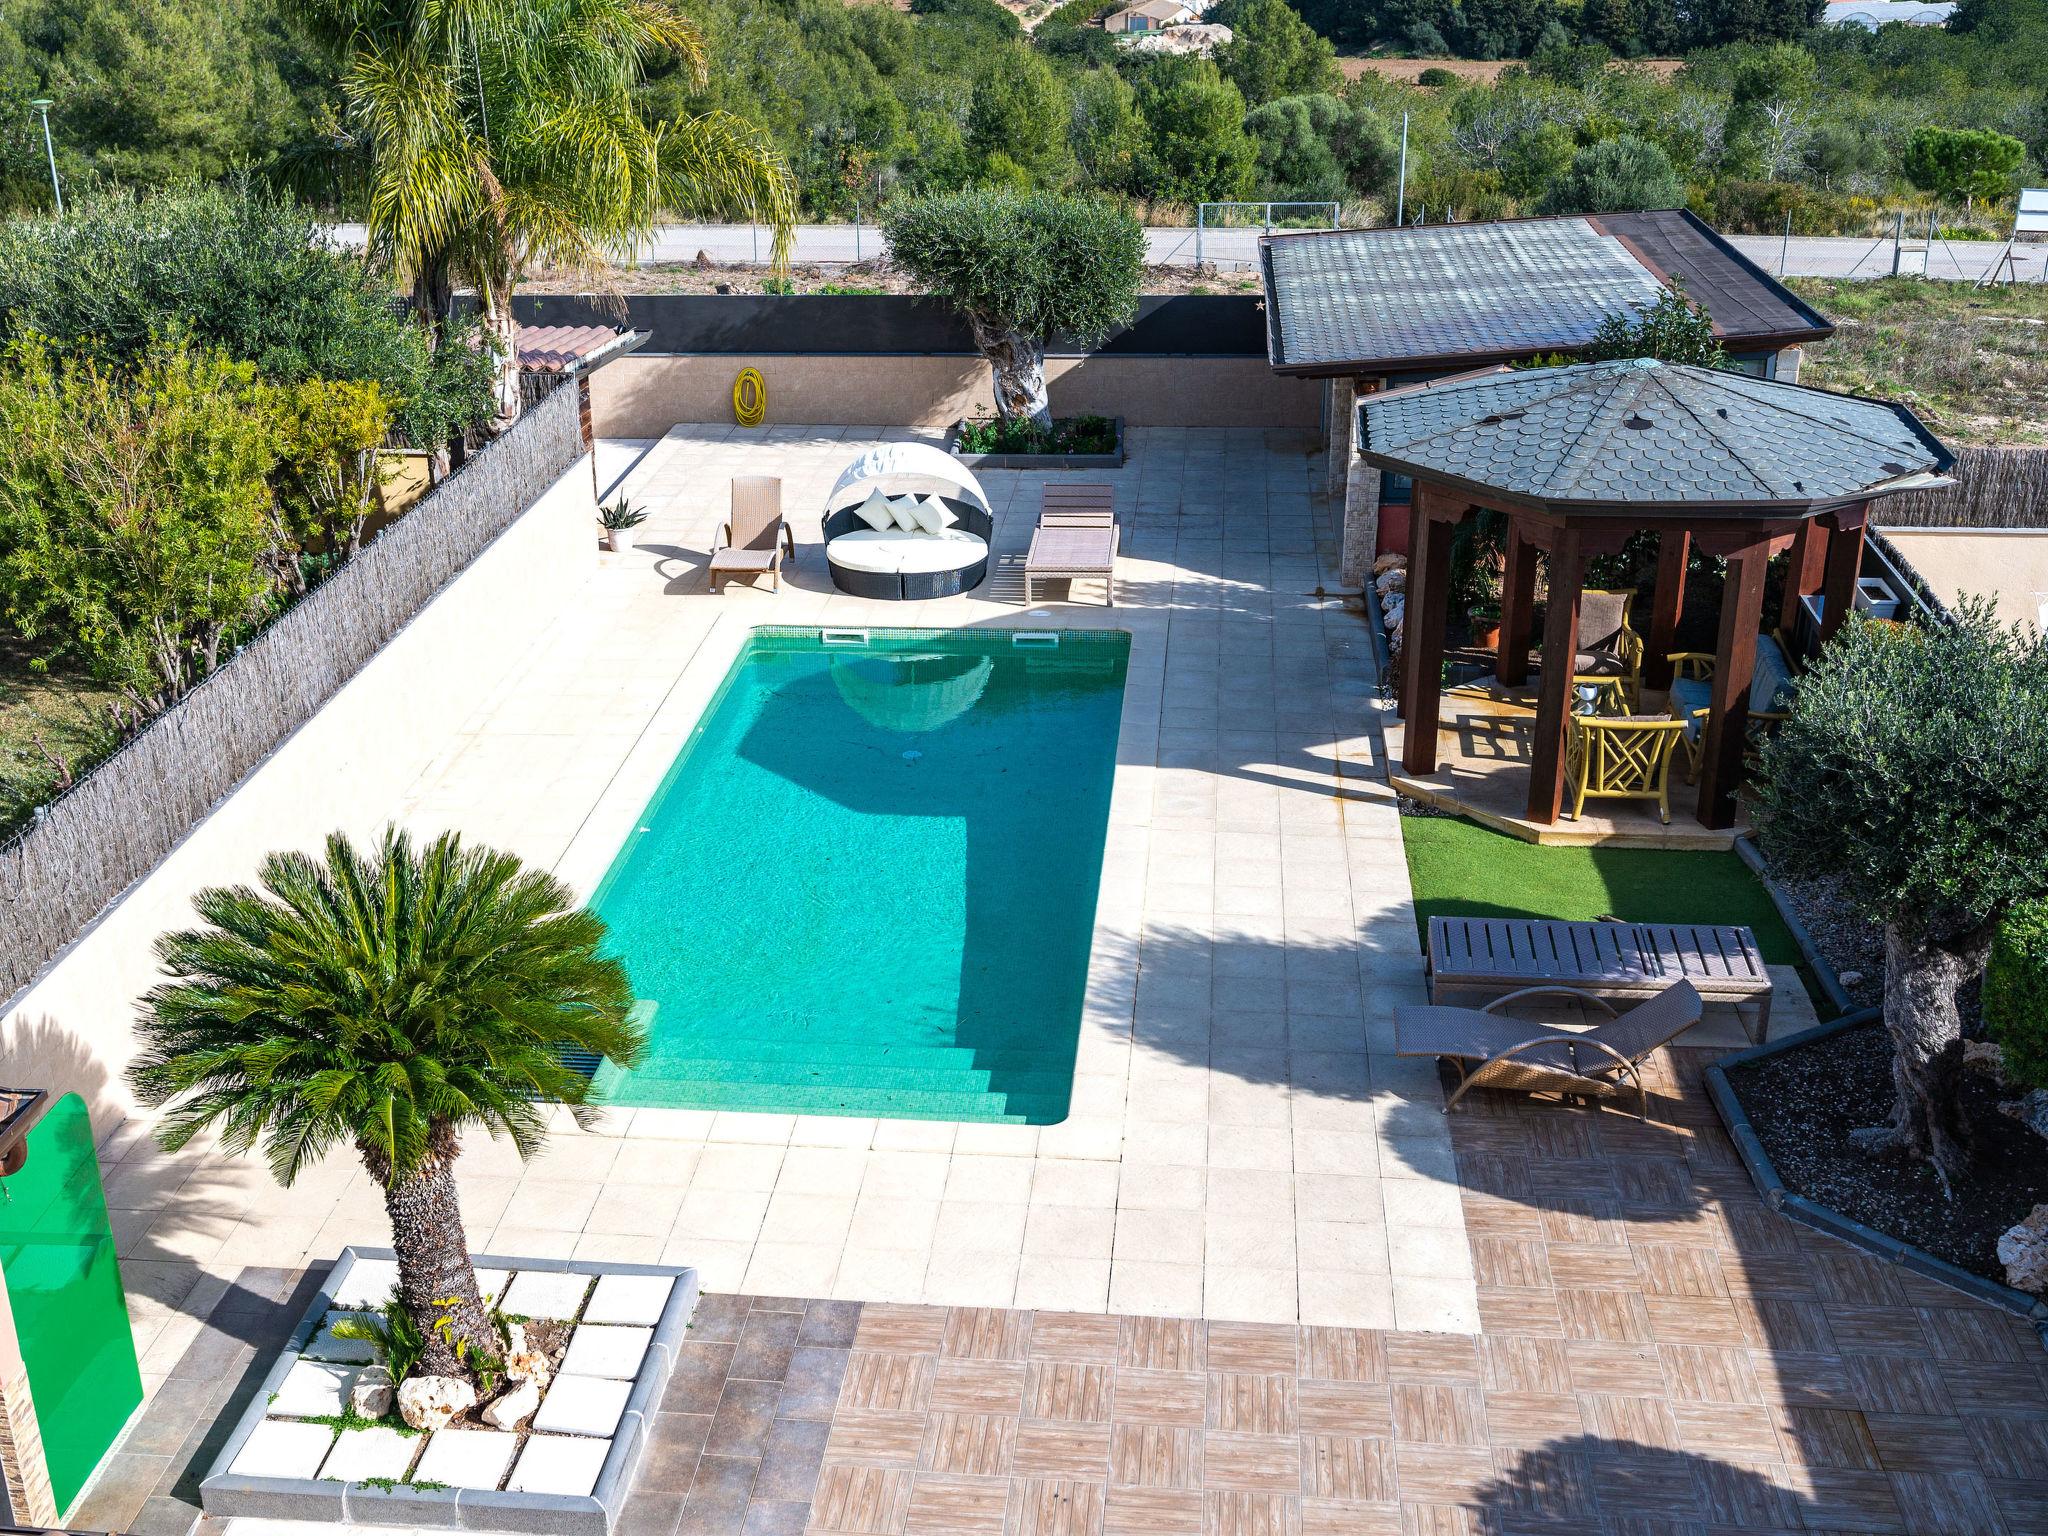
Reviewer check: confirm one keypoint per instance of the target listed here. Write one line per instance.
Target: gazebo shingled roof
(1579, 458)
(1642, 434)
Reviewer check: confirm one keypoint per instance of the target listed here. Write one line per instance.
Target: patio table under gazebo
(1578, 459)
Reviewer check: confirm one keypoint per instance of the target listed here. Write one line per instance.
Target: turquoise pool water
(867, 885)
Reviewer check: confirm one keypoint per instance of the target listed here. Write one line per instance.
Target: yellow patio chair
(1621, 757)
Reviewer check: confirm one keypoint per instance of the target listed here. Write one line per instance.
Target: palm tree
(390, 999)
(505, 133)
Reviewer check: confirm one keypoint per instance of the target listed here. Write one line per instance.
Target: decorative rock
(430, 1402)
(1851, 978)
(371, 1395)
(2031, 1111)
(2023, 1250)
(529, 1365)
(505, 1412)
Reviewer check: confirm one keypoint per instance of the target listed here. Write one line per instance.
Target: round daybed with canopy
(898, 563)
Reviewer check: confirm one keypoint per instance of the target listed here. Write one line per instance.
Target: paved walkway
(1662, 1357)
(1242, 1145)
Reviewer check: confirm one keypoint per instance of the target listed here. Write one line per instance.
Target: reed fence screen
(118, 822)
(1995, 488)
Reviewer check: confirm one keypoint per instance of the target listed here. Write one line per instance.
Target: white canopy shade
(926, 460)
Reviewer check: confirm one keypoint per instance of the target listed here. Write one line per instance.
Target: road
(1802, 256)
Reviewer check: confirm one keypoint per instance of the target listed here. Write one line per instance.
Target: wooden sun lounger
(1488, 956)
(1071, 550)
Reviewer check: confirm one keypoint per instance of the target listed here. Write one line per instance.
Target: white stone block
(278, 1449)
(559, 1464)
(365, 1453)
(368, 1285)
(326, 1346)
(582, 1405)
(466, 1458)
(490, 1283)
(535, 1293)
(313, 1389)
(635, 1300)
(610, 1352)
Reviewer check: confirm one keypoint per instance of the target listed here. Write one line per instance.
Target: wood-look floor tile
(1876, 1330)
(979, 1386)
(2010, 1447)
(1514, 1263)
(975, 1444)
(1584, 1224)
(1708, 1373)
(1786, 1324)
(1628, 1370)
(1441, 1474)
(1155, 1456)
(1638, 1420)
(1160, 1397)
(876, 1437)
(1997, 1388)
(1153, 1512)
(1069, 1391)
(1728, 1431)
(1802, 1380)
(1520, 1312)
(943, 1505)
(1237, 1512)
(903, 1330)
(1084, 1336)
(1924, 1443)
(986, 1333)
(1264, 1347)
(1577, 1268)
(860, 1501)
(1977, 1333)
(1053, 1506)
(1436, 1414)
(887, 1380)
(1898, 1384)
(1343, 1354)
(1062, 1451)
(1825, 1437)
(1510, 1364)
(1353, 1469)
(1451, 1358)
(1949, 1503)
(1160, 1344)
(1432, 1519)
(1531, 1418)
(1748, 1496)
(1839, 1498)
(1695, 1320)
(1257, 1404)
(1842, 1275)
(1262, 1463)
(1604, 1314)
(1344, 1408)
(1326, 1517)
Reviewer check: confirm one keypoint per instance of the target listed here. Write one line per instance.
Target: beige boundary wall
(643, 395)
(71, 1028)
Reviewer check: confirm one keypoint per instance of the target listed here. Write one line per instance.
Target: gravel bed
(1803, 1103)
(1851, 944)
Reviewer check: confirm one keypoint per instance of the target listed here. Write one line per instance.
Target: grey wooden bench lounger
(1486, 956)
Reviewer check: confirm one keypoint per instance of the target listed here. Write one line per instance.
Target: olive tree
(1913, 773)
(1022, 269)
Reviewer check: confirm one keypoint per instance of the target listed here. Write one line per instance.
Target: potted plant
(618, 519)
(1485, 621)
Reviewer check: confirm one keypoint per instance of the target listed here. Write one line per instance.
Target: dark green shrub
(2016, 993)
(1436, 74)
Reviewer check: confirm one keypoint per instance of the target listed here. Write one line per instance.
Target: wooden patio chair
(1771, 687)
(754, 538)
(1519, 1057)
(1610, 654)
(1620, 757)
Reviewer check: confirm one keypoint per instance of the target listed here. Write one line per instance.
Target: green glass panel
(57, 1254)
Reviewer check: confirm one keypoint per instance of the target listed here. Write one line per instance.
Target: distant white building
(1872, 14)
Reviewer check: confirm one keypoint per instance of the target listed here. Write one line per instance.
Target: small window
(1396, 490)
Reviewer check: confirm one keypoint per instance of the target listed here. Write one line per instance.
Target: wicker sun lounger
(1519, 1057)
(1480, 957)
(753, 539)
(1071, 550)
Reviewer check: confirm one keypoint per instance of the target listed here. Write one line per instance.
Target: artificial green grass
(1461, 869)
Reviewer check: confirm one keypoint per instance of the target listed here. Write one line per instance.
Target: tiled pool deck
(1241, 1146)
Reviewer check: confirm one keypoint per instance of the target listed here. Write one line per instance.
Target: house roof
(1159, 8)
(573, 348)
(1638, 435)
(1359, 301)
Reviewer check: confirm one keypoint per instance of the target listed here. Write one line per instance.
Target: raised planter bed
(1881, 1245)
(1111, 460)
(566, 1472)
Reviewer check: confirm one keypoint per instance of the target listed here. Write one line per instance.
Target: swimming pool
(867, 884)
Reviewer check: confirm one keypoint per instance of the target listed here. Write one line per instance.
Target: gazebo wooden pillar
(1554, 696)
(1804, 573)
(1436, 512)
(1667, 604)
(1742, 610)
(1844, 565)
(1517, 608)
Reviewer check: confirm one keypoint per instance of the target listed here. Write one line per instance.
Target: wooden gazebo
(1577, 459)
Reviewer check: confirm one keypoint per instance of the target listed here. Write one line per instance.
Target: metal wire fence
(115, 824)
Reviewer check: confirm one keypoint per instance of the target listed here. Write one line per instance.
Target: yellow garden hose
(750, 398)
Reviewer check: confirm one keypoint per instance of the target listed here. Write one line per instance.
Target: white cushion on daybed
(895, 554)
(876, 512)
(904, 510)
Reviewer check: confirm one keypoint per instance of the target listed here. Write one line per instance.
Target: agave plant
(389, 1000)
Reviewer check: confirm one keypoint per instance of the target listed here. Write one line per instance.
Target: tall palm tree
(392, 1000)
(505, 133)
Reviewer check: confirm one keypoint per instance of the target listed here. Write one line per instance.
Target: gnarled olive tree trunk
(436, 1280)
(1921, 975)
(1018, 363)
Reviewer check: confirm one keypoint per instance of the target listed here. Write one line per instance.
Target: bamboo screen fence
(1995, 488)
(114, 825)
